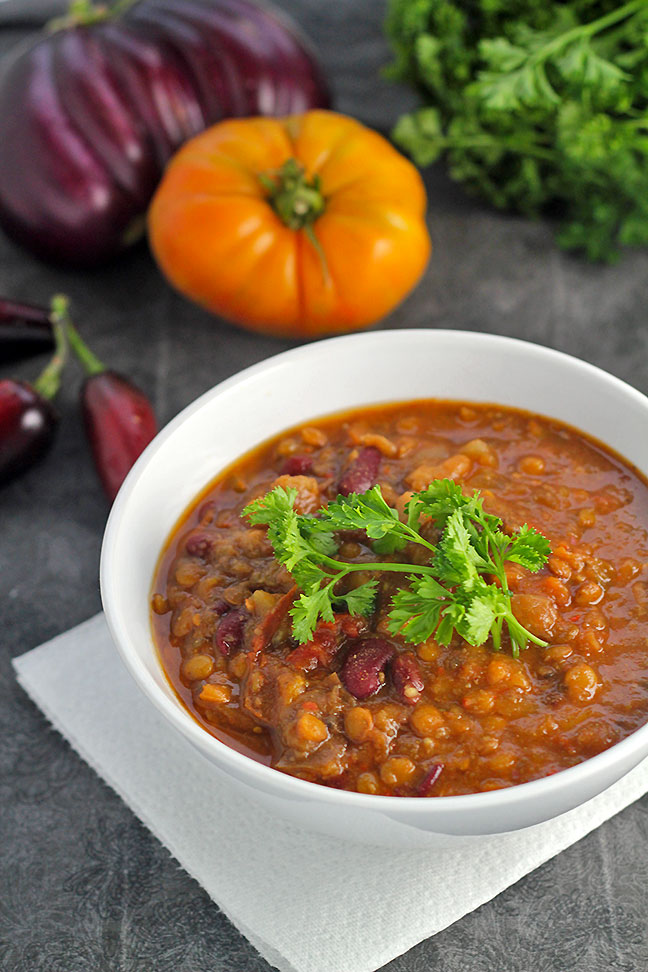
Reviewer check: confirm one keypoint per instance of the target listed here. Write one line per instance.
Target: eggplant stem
(92, 365)
(120, 7)
(83, 13)
(49, 381)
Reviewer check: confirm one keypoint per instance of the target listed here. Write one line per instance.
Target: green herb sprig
(450, 593)
(535, 106)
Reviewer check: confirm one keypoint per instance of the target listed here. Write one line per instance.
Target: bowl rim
(268, 777)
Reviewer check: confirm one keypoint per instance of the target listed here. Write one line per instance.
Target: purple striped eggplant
(24, 329)
(28, 419)
(91, 113)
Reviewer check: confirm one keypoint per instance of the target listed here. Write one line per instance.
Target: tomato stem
(297, 201)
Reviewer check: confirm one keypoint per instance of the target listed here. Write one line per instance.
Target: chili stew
(434, 719)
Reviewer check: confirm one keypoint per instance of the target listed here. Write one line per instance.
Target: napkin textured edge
(267, 951)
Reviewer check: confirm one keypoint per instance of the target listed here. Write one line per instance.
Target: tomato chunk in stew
(361, 709)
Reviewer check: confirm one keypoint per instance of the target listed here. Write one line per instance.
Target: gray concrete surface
(83, 886)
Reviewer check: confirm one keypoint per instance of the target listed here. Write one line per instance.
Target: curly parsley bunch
(537, 106)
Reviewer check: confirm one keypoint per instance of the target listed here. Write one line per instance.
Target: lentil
(581, 682)
(358, 723)
(425, 719)
(396, 771)
(531, 465)
(197, 667)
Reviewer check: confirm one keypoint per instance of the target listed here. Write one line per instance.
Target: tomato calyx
(297, 201)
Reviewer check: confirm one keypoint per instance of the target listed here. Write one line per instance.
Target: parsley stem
(586, 30)
(376, 565)
(520, 635)
(415, 537)
(510, 144)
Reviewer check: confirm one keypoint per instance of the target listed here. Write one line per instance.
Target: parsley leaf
(366, 511)
(298, 541)
(457, 558)
(416, 611)
(449, 593)
(361, 600)
(528, 548)
(487, 605)
(436, 502)
(307, 610)
(536, 107)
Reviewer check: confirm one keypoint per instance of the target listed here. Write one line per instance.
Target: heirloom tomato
(306, 225)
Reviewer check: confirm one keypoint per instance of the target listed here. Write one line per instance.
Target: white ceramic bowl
(312, 381)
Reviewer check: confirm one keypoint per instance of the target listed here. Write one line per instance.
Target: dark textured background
(83, 885)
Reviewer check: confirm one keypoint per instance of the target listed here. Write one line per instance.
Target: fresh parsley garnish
(535, 106)
(462, 588)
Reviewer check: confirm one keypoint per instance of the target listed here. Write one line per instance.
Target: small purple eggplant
(28, 419)
(24, 330)
(118, 417)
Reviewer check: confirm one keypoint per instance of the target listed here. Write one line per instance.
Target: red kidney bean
(297, 466)
(429, 780)
(407, 678)
(362, 474)
(199, 544)
(229, 633)
(221, 607)
(364, 665)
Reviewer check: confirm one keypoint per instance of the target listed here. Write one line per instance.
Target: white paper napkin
(269, 877)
